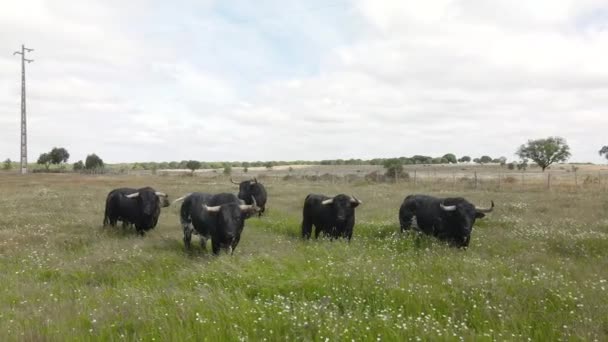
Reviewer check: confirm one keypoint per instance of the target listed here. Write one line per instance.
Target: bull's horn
(485, 210)
(161, 194)
(133, 195)
(211, 209)
(230, 250)
(246, 207)
(255, 180)
(354, 199)
(233, 182)
(181, 198)
(447, 207)
(328, 201)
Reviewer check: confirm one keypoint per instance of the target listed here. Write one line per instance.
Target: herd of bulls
(221, 217)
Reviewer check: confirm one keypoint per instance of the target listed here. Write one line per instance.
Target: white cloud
(282, 80)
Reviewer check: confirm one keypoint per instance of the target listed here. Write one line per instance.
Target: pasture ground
(537, 269)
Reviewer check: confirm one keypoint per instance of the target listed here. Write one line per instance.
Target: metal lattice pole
(23, 111)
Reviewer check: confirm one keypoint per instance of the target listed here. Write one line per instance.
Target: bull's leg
(215, 245)
(187, 236)
(405, 219)
(306, 228)
(317, 231)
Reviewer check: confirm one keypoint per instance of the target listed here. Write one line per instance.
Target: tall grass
(536, 269)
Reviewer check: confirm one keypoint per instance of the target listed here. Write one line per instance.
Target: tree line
(543, 152)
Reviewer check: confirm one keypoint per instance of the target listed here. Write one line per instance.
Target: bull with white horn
(138, 207)
(449, 219)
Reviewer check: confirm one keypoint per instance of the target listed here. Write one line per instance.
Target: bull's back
(314, 209)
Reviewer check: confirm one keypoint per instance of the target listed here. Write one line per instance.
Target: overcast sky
(284, 80)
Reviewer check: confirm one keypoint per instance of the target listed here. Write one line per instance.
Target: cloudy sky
(283, 80)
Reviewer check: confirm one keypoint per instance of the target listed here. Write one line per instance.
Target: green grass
(537, 268)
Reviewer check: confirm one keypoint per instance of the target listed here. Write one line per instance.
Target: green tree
(59, 155)
(227, 169)
(477, 160)
(464, 159)
(193, 165)
(93, 162)
(604, 151)
(44, 159)
(485, 159)
(78, 166)
(450, 157)
(394, 167)
(545, 152)
(269, 165)
(8, 164)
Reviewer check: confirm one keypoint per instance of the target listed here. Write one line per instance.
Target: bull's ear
(354, 204)
(479, 215)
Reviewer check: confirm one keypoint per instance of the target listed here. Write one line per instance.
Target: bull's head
(343, 205)
(150, 199)
(460, 219)
(230, 219)
(248, 189)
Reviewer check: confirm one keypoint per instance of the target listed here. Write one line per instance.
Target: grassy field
(537, 269)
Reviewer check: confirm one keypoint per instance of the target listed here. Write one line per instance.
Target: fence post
(575, 180)
(549, 181)
(396, 176)
(475, 180)
(415, 177)
(499, 177)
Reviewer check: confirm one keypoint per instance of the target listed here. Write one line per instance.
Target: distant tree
(394, 167)
(93, 162)
(502, 161)
(59, 155)
(522, 165)
(245, 169)
(604, 151)
(245, 165)
(464, 159)
(193, 165)
(450, 157)
(227, 169)
(7, 165)
(269, 165)
(477, 160)
(290, 169)
(511, 166)
(545, 152)
(78, 166)
(44, 159)
(485, 159)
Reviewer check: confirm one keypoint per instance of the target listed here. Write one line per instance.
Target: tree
(477, 160)
(269, 165)
(59, 155)
(502, 161)
(227, 169)
(44, 159)
(523, 165)
(193, 165)
(93, 162)
(485, 159)
(8, 164)
(394, 167)
(245, 169)
(604, 151)
(464, 159)
(511, 166)
(450, 157)
(545, 152)
(78, 166)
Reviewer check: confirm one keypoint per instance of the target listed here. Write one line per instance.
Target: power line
(23, 117)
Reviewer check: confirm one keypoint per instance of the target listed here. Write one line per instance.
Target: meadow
(537, 268)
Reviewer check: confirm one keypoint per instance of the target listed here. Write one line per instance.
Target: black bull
(448, 219)
(332, 216)
(219, 217)
(250, 190)
(140, 207)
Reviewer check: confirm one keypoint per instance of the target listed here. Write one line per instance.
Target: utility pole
(23, 117)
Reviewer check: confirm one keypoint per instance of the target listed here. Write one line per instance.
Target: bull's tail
(181, 198)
